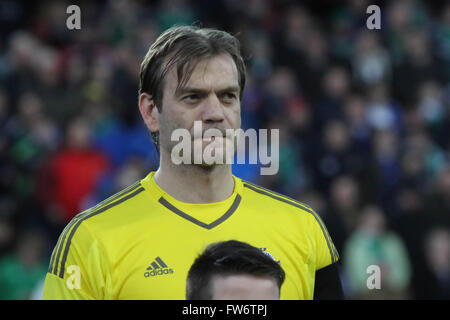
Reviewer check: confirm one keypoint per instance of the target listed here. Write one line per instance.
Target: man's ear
(149, 112)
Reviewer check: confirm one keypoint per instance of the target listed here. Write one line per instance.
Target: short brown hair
(184, 46)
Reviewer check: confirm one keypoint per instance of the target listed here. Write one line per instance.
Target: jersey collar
(205, 215)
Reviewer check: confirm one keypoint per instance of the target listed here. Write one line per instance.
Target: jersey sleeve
(326, 252)
(78, 267)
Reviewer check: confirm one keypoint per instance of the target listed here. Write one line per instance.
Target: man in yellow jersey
(234, 270)
(141, 242)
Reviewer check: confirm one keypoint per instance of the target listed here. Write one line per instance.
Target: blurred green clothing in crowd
(17, 281)
(385, 250)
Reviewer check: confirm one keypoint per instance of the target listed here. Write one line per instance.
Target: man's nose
(212, 110)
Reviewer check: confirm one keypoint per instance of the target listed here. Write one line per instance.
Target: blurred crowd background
(364, 119)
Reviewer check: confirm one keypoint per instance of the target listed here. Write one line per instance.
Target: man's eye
(229, 96)
(191, 97)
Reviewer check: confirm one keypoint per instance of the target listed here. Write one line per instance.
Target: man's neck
(194, 183)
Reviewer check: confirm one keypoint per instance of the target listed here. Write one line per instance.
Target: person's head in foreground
(234, 270)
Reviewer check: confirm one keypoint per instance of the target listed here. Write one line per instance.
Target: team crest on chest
(264, 250)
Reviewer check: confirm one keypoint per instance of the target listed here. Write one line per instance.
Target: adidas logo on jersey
(157, 268)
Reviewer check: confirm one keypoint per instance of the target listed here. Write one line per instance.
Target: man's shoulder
(109, 211)
(300, 214)
(261, 195)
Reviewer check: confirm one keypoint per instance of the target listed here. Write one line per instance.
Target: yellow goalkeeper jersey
(141, 242)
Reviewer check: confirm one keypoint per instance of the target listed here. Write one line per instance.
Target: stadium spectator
(343, 209)
(374, 244)
(73, 172)
(22, 269)
(437, 248)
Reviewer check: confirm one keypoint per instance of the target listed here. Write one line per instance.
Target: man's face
(244, 287)
(210, 96)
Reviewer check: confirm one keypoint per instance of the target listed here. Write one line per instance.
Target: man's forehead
(215, 72)
(243, 283)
